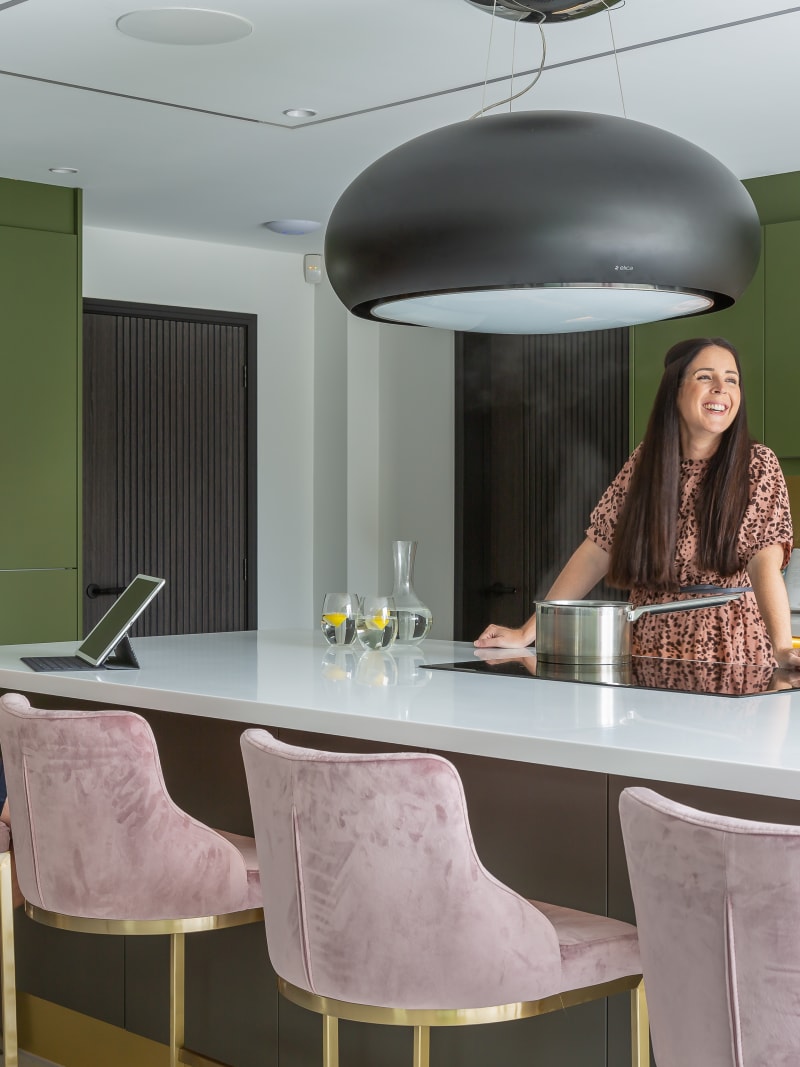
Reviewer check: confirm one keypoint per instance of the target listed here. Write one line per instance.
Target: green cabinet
(742, 325)
(782, 341)
(40, 303)
(763, 326)
(38, 429)
(37, 605)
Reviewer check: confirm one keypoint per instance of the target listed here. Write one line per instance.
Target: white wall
(355, 420)
(331, 471)
(401, 397)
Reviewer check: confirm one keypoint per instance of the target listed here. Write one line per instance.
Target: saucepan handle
(683, 605)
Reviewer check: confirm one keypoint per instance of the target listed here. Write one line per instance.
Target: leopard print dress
(735, 632)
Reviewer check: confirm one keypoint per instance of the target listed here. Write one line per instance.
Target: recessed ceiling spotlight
(63, 170)
(184, 25)
(300, 112)
(292, 227)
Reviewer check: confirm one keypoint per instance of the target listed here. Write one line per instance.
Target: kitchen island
(542, 762)
(295, 681)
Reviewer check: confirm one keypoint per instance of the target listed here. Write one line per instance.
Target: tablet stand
(121, 655)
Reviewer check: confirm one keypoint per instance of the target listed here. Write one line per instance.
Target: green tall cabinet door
(39, 427)
(37, 605)
(742, 325)
(782, 333)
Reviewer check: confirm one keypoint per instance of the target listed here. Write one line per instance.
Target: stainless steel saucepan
(599, 631)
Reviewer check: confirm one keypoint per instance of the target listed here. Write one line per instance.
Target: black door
(541, 430)
(168, 464)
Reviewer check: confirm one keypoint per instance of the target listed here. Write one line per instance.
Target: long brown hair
(643, 552)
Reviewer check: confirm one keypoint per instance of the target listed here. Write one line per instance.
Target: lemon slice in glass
(335, 618)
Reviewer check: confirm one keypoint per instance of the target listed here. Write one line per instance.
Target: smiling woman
(698, 507)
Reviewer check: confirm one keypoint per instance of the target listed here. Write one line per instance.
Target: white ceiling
(190, 140)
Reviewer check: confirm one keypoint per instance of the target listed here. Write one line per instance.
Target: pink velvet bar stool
(101, 847)
(379, 910)
(718, 909)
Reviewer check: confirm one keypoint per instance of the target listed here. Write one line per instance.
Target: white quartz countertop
(295, 680)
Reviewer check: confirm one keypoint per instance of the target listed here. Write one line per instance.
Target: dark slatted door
(165, 483)
(541, 429)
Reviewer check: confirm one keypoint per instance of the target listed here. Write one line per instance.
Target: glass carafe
(413, 617)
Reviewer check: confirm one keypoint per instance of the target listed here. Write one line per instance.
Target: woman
(697, 506)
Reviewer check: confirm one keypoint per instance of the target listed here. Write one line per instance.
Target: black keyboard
(58, 663)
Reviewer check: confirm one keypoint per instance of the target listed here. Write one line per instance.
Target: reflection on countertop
(402, 666)
(638, 672)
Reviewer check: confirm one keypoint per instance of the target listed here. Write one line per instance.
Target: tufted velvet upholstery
(96, 833)
(374, 893)
(718, 909)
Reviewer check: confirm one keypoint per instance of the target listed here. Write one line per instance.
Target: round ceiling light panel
(292, 227)
(184, 25)
(542, 222)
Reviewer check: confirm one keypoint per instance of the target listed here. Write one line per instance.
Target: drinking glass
(376, 624)
(339, 613)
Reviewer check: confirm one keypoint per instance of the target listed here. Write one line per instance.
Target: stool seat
(594, 948)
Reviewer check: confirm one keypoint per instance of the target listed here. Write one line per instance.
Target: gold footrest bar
(370, 1013)
(143, 927)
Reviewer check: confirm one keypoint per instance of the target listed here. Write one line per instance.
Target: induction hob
(640, 672)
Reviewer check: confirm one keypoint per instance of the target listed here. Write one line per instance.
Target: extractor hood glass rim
(378, 310)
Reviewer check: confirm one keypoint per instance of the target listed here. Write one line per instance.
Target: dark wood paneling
(167, 466)
(541, 430)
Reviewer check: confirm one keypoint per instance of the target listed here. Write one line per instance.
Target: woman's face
(708, 399)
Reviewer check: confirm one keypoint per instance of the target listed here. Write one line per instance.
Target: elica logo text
(622, 266)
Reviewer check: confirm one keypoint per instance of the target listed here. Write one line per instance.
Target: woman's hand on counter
(787, 658)
(495, 636)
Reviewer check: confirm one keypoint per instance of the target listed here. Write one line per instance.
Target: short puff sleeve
(767, 520)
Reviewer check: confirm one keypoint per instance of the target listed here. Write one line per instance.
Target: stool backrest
(718, 910)
(96, 833)
(373, 891)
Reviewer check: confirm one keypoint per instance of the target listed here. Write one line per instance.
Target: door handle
(498, 589)
(93, 590)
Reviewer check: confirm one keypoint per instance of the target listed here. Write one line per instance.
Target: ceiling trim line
(555, 66)
(393, 103)
(141, 99)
